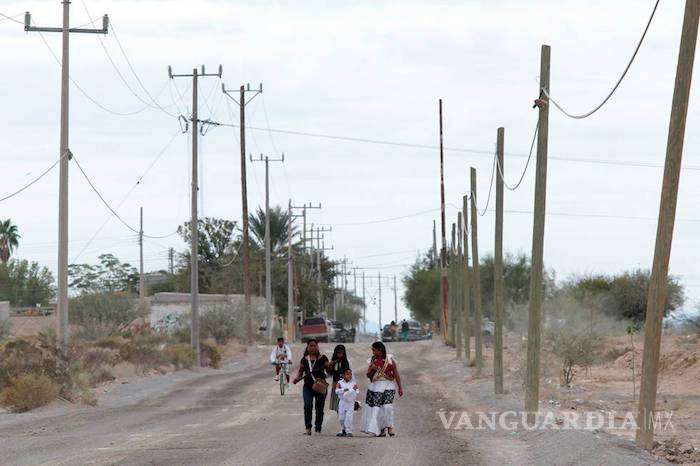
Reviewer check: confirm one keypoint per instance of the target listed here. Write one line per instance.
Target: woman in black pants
(311, 367)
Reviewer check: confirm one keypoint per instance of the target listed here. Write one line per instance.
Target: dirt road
(236, 416)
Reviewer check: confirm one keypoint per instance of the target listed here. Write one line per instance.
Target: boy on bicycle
(281, 353)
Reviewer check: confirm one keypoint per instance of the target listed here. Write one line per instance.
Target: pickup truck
(319, 328)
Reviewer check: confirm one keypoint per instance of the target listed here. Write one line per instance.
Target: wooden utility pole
(466, 287)
(443, 252)
(451, 287)
(476, 280)
(379, 276)
(459, 282)
(142, 281)
(435, 251)
(291, 318)
(244, 204)
(498, 271)
(364, 305)
(396, 303)
(532, 375)
(656, 296)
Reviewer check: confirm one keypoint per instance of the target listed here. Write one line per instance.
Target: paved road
(231, 416)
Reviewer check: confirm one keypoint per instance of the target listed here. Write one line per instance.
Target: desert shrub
(20, 357)
(575, 351)
(221, 323)
(179, 355)
(100, 375)
(144, 351)
(112, 342)
(211, 354)
(28, 391)
(95, 357)
(101, 314)
(5, 327)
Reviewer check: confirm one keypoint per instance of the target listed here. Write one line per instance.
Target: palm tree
(9, 240)
(279, 228)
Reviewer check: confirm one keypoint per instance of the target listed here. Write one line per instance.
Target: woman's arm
(300, 373)
(397, 378)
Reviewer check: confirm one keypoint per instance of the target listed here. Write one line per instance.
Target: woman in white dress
(383, 373)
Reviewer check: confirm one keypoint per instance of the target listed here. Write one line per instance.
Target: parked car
(318, 328)
(342, 335)
(388, 335)
(416, 331)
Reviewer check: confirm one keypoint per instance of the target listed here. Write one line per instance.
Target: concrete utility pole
(194, 220)
(364, 305)
(242, 103)
(171, 261)
(656, 295)
(459, 280)
(268, 252)
(142, 282)
(379, 274)
(532, 375)
(396, 305)
(321, 251)
(451, 288)
(476, 279)
(291, 317)
(64, 157)
(466, 287)
(498, 271)
(443, 254)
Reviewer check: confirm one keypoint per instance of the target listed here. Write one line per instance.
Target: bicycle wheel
(283, 382)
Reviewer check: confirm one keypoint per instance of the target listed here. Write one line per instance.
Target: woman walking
(383, 373)
(339, 363)
(312, 369)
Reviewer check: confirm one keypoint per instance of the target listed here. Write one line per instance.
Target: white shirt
(349, 395)
(278, 354)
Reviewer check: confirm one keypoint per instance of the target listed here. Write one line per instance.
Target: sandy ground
(236, 416)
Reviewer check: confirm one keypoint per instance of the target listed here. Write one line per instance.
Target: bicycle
(284, 373)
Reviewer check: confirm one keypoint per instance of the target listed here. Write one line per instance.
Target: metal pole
(291, 318)
(62, 298)
(498, 271)
(532, 375)
(396, 309)
(268, 253)
(142, 284)
(656, 295)
(443, 255)
(246, 238)
(194, 223)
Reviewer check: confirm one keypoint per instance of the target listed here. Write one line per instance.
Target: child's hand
(338, 386)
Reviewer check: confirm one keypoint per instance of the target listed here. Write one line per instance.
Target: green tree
(215, 237)
(9, 240)
(111, 275)
(422, 295)
(279, 228)
(25, 283)
(348, 315)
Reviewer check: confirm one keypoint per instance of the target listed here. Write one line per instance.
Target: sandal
(308, 432)
(382, 433)
(391, 432)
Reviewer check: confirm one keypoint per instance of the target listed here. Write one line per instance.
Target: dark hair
(335, 352)
(279, 339)
(378, 345)
(347, 370)
(306, 350)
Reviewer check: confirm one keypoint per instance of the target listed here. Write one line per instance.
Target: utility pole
(321, 250)
(194, 220)
(242, 103)
(656, 295)
(443, 253)
(435, 251)
(171, 261)
(476, 280)
(498, 270)
(532, 375)
(64, 157)
(396, 305)
(379, 274)
(466, 287)
(459, 281)
(354, 281)
(451, 288)
(291, 317)
(142, 284)
(268, 252)
(364, 304)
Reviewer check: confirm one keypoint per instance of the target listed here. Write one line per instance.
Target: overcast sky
(361, 69)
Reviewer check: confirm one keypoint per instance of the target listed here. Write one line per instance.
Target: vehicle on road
(389, 335)
(416, 331)
(319, 328)
(342, 335)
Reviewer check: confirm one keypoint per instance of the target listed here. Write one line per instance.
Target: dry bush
(28, 391)
(575, 351)
(211, 354)
(111, 342)
(179, 355)
(95, 357)
(101, 374)
(144, 351)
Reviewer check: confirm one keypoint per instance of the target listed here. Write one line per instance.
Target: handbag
(319, 386)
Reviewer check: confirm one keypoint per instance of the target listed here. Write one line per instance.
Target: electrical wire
(619, 81)
(11, 18)
(35, 180)
(493, 177)
(527, 163)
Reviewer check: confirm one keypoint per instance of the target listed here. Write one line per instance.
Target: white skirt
(379, 407)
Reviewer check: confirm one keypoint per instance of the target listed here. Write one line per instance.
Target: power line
(527, 163)
(11, 18)
(35, 180)
(619, 81)
(630, 163)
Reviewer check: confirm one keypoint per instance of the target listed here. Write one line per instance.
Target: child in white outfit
(347, 391)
